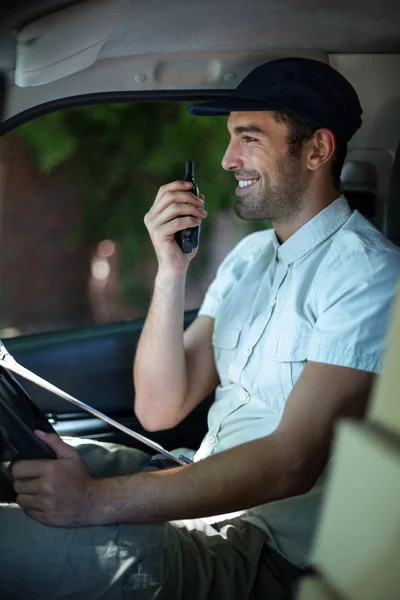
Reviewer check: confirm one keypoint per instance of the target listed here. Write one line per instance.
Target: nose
(232, 160)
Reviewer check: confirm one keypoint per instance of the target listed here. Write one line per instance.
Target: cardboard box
(357, 546)
(313, 588)
(385, 403)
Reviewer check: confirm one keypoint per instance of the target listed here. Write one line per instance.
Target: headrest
(392, 225)
(359, 186)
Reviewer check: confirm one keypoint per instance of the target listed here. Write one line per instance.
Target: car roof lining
(179, 46)
(176, 26)
(331, 25)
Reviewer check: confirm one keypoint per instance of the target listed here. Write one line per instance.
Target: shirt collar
(315, 231)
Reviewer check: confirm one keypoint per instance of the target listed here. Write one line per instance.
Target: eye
(248, 139)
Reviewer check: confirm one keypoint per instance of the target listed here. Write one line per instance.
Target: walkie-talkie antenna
(190, 168)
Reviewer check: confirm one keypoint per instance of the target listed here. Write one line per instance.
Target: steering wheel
(19, 417)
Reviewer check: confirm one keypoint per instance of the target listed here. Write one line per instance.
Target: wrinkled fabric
(324, 295)
(180, 560)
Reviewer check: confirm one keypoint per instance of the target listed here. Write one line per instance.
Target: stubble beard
(280, 200)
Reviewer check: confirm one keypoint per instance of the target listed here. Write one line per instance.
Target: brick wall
(44, 270)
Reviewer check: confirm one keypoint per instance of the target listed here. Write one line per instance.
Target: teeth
(245, 182)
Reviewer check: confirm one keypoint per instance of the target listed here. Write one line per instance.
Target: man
(290, 334)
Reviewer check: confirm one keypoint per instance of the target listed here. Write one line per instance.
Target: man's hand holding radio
(175, 208)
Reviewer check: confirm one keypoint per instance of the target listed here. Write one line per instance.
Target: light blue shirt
(324, 295)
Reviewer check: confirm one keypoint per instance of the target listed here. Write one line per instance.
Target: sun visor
(64, 42)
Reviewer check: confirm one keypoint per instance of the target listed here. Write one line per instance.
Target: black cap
(308, 88)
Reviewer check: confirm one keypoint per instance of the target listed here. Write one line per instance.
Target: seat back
(359, 186)
(392, 214)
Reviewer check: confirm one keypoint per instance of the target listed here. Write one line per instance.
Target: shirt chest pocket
(289, 353)
(225, 340)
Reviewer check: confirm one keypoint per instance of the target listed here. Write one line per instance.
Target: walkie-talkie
(188, 239)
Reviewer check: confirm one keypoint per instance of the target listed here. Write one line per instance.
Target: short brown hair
(300, 131)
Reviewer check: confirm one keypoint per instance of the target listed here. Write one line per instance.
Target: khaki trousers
(182, 560)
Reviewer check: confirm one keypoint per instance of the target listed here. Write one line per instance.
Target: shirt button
(244, 396)
(247, 352)
(211, 439)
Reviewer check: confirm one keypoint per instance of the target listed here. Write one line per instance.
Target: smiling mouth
(245, 184)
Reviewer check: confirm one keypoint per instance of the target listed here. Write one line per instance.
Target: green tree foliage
(122, 154)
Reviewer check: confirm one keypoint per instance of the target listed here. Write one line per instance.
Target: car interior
(58, 54)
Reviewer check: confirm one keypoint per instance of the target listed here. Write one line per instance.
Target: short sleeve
(231, 270)
(354, 305)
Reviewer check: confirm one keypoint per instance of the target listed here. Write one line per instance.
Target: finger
(30, 502)
(29, 469)
(169, 229)
(179, 197)
(172, 187)
(28, 486)
(61, 449)
(175, 211)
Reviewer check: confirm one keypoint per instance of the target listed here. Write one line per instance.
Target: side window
(75, 187)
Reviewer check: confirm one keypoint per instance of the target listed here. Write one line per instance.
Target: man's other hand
(54, 492)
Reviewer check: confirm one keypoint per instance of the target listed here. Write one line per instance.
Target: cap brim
(224, 106)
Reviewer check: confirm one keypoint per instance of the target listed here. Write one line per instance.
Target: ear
(322, 148)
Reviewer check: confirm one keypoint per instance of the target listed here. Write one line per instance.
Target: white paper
(10, 363)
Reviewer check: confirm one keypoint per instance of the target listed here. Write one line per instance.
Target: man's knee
(106, 459)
